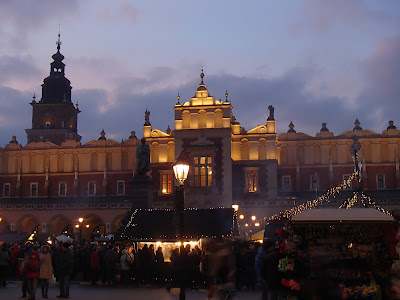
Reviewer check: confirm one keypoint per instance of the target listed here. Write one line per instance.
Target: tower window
(6, 190)
(251, 179)
(120, 187)
(91, 188)
(380, 182)
(286, 184)
(166, 184)
(62, 189)
(203, 171)
(34, 189)
(314, 182)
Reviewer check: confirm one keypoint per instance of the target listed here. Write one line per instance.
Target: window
(286, 184)
(203, 173)
(314, 182)
(251, 180)
(120, 187)
(34, 189)
(380, 182)
(62, 189)
(166, 184)
(91, 188)
(346, 177)
(6, 190)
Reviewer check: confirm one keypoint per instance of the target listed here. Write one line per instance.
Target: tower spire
(58, 40)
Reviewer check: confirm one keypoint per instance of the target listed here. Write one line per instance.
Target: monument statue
(143, 158)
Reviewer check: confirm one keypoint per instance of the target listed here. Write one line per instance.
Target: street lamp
(181, 171)
(80, 228)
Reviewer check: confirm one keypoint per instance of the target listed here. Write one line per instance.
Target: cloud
(15, 115)
(381, 73)
(20, 18)
(320, 16)
(120, 12)
(18, 72)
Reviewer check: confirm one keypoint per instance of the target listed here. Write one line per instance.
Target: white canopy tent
(63, 238)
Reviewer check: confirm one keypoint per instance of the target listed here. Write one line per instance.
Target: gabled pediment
(41, 145)
(258, 129)
(159, 133)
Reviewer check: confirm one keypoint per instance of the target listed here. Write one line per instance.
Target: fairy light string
(332, 192)
(348, 204)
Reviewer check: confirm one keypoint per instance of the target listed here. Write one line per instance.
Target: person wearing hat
(63, 269)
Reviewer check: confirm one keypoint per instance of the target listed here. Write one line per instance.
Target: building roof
(160, 225)
(13, 237)
(325, 215)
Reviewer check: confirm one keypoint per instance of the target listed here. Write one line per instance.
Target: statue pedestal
(141, 193)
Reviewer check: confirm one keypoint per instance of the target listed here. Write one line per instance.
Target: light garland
(132, 223)
(349, 203)
(289, 213)
(371, 202)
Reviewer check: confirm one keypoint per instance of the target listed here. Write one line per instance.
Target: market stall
(350, 249)
(158, 226)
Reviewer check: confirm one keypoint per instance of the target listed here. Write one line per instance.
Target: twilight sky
(315, 61)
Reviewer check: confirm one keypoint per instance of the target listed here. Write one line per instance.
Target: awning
(14, 237)
(160, 225)
(258, 235)
(325, 215)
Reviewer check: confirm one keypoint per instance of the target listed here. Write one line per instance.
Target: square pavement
(101, 292)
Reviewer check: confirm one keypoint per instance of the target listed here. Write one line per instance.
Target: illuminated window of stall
(203, 171)
(251, 179)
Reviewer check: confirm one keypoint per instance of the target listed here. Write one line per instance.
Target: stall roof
(159, 225)
(14, 237)
(323, 215)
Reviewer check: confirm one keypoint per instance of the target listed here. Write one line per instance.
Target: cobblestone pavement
(88, 292)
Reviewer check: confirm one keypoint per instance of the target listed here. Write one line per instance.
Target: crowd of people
(116, 264)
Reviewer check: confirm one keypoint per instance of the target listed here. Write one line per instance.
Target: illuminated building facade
(49, 184)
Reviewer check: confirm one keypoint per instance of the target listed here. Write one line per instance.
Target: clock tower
(54, 117)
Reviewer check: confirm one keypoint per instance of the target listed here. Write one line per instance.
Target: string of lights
(287, 214)
(350, 201)
(372, 202)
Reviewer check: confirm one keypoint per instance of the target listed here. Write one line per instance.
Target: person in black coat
(270, 273)
(63, 269)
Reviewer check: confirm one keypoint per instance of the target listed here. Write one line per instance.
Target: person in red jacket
(95, 264)
(32, 270)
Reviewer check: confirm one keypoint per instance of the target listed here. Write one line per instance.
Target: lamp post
(181, 171)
